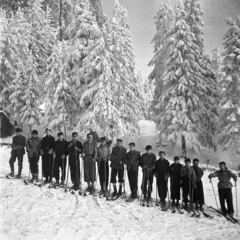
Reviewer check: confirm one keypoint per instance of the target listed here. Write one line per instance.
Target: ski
(227, 216)
(206, 214)
(9, 177)
(179, 210)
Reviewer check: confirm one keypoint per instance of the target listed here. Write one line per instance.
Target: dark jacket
(188, 174)
(199, 173)
(224, 178)
(133, 158)
(47, 143)
(18, 145)
(60, 148)
(148, 160)
(175, 170)
(33, 147)
(162, 168)
(118, 157)
(71, 151)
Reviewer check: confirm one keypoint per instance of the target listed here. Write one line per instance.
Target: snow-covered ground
(30, 212)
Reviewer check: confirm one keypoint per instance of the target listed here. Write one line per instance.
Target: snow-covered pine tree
(229, 136)
(183, 105)
(13, 53)
(59, 100)
(217, 64)
(163, 22)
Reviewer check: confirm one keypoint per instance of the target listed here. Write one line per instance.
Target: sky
(141, 18)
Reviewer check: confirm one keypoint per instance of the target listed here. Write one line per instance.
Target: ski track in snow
(32, 213)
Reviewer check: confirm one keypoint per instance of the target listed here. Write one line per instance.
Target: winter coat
(71, 151)
(47, 143)
(103, 153)
(33, 147)
(133, 158)
(175, 170)
(199, 173)
(18, 145)
(60, 148)
(162, 168)
(224, 178)
(118, 157)
(148, 160)
(188, 172)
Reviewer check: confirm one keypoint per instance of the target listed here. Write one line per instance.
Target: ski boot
(11, 174)
(120, 191)
(114, 192)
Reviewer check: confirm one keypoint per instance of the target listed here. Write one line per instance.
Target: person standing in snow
(47, 147)
(175, 181)
(225, 187)
(198, 194)
(60, 158)
(133, 158)
(33, 147)
(188, 183)
(162, 169)
(74, 149)
(147, 164)
(103, 156)
(18, 150)
(90, 154)
(118, 157)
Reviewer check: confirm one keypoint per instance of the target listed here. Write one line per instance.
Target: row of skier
(54, 158)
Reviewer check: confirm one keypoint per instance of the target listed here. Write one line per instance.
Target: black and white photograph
(119, 119)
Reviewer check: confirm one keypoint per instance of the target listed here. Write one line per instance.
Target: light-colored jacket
(33, 147)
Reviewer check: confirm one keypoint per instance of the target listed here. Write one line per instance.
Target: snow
(30, 212)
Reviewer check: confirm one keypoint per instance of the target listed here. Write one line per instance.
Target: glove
(50, 151)
(63, 156)
(76, 148)
(69, 145)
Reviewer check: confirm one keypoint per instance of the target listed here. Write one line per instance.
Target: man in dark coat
(175, 179)
(103, 156)
(47, 147)
(60, 158)
(90, 154)
(118, 157)
(74, 149)
(18, 150)
(33, 147)
(162, 169)
(133, 158)
(198, 194)
(188, 183)
(225, 187)
(147, 164)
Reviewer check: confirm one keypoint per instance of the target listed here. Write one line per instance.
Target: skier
(103, 156)
(18, 150)
(47, 147)
(90, 153)
(74, 149)
(225, 187)
(188, 183)
(133, 159)
(162, 169)
(198, 194)
(147, 164)
(175, 180)
(33, 147)
(60, 158)
(118, 157)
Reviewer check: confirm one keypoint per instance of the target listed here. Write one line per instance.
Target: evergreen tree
(184, 104)
(230, 111)
(217, 64)
(163, 22)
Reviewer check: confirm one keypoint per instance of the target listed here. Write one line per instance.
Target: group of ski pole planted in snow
(183, 179)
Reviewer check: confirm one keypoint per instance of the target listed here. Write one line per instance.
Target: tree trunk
(184, 150)
(98, 12)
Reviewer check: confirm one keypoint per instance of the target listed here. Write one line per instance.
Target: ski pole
(236, 200)
(77, 172)
(124, 175)
(95, 186)
(52, 169)
(105, 176)
(156, 192)
(67, 174)
(110, 184)
(42, 168)
(169, 202)
(142, 187)
(214, 193)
